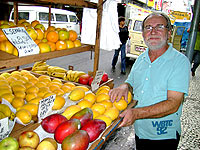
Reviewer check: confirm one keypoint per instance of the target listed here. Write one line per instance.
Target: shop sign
(4, 131)
(97, 80)
(22, 41)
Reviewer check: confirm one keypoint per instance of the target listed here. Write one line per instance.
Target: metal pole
(193, 30)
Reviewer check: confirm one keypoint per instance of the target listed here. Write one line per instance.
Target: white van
(59, 18)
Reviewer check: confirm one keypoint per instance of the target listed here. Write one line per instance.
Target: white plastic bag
(128, 45)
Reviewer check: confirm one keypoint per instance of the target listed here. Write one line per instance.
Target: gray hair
(169, 26)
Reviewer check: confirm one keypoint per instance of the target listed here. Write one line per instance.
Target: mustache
(153, 37)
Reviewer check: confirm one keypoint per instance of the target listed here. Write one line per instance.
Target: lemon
(29, 76)
(19, 87)
(102, 87)
(25, 79)
(129, 97)
(48, 94)
(70, 84)
(66, 88)
(95, 114)
(32, 89)
(56, 80)
(53, 87)
(28, 84)
(58, 92)
(99, 107)
(17, 102)
(105, 90)
(18, 82)
(17, 76)
(58, 103)
(85, 103)
(15, 72)
(76, 94)
(34, 80)
(8, 96)
(11, 79)
(101, 97)
(23, 72)
(107, 104)
(82, 87)
(5, 87)
(35, 100)
(71, 110)
(24, 115)
(5, 91)
(40, 84)
(30, 96)
(90, 97)
(40, 78)
(106, 119)
(6, 74)
(121, 104)
(3, 82)
(46, 80)
(20, 94)
(112, 112)
(32, 108)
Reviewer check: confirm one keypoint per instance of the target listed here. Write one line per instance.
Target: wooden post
(98, 32)
(15, 12)
(49, 16)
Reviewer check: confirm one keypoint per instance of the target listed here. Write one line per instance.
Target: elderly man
(159, 80)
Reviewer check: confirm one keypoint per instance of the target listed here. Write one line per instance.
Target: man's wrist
(130, 88)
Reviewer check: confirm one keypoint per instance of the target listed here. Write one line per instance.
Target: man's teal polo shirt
(150, 82)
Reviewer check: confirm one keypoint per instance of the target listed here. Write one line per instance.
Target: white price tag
(22, 41)
(97, 80)
(4, 129)
(45, 107)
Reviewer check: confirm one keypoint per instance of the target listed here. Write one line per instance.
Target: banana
(72, 75)
(39, 63)
(56, 69)
(5, 110)
(2, 115)
(41, 72)
(12, 116)
(40, 68)
(69, 74)
(58, 74)
(79, 73)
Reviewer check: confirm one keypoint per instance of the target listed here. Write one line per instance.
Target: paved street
(123, 139)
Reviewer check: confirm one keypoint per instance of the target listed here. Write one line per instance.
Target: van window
(21, 15)
(129, 24)
(72, 18)
(45, 16)
(62, 18)
(137, 25)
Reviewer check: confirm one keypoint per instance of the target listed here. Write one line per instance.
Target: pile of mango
(50, 39)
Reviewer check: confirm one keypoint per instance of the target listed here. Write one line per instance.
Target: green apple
(9, 143)
(63, 35)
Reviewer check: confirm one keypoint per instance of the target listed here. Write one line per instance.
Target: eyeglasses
(159, 27)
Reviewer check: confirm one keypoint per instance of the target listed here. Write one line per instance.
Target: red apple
(84, 79)
(94, 128)
(79, 140)
(90, 80)
(104, 77)
(29, 138)
(66, 128)
(50, 123)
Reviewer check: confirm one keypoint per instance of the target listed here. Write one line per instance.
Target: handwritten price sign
(22, 41)
(45, 107)
(96, 82)
(4, 131)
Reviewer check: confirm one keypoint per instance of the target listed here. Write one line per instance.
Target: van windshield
(72, 18)
(45, 16)
(60, 17)
(137, 26)
(21, 15)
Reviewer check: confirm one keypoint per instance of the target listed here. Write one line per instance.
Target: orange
(52, 36)
(44, 47)
(40, 34)
(72, 35)
(63, 34)
(70, 44)
(27, 24)
(32, 108)
(20, 94)
(112, 112)
(95, 114)
(21, 20)
(66, 88)
(32, 33)
(8, 96)
(52, 46)
(24, 115)
(51, 28)
(35, 100)
(105, 118)
(107, 103)
(34, 23)
(85, 103)
(40, 84)
(7, 47)
(99, 107)
(58, 103)
(90, 97)
(121, 104)
(37, 41)
(39, 26)
(101, 97)
(61, 45)
(44, 40)
(45, 34)
(17, 102)
(32, 89)
(71, 110)
(30, 96)
(77, 43)
(2, 36)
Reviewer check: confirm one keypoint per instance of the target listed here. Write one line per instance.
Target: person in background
(196, 54)
(123, 35)
(159, 80)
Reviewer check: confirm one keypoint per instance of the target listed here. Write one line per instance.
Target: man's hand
(117, 93)
(129, 117)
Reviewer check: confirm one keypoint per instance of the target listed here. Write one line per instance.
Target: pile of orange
(51, 38)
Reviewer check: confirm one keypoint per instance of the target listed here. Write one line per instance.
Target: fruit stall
(48, 106)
